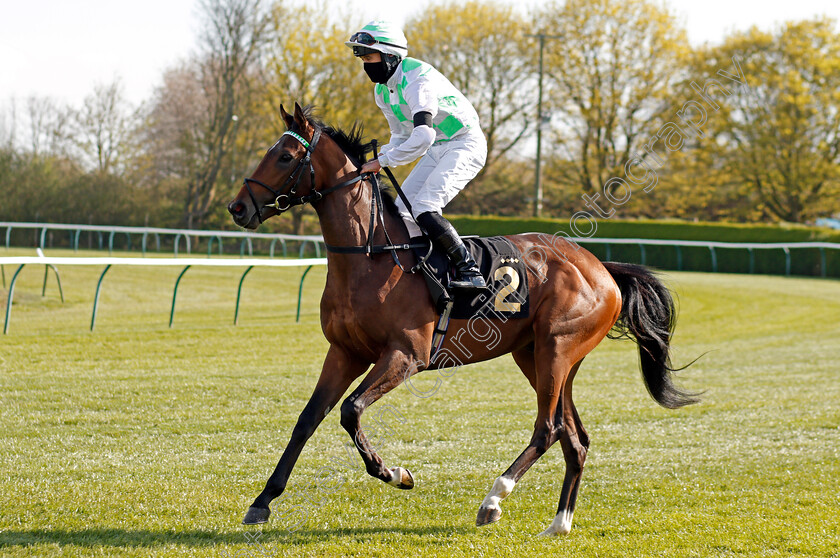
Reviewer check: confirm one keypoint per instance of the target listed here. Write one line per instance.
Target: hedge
(802, 261)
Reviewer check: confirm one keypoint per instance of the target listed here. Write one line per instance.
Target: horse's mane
(353, 144)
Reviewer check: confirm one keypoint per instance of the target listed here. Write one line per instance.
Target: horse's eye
(285, 158)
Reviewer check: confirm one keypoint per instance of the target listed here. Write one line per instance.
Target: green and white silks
(418, 87)
(452, 152)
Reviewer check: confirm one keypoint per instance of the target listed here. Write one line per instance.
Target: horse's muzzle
(239, 210)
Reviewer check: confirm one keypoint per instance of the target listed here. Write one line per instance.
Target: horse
(375, 311)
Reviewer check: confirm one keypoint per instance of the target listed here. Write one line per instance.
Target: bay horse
(375, 312)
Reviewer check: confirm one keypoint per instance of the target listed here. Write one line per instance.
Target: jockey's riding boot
(442, 233)
(466, 270)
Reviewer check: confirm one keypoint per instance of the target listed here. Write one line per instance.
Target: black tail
(648, 317)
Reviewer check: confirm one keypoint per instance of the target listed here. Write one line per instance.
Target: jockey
(429, 120)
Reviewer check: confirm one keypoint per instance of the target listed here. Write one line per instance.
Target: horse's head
(284, 178)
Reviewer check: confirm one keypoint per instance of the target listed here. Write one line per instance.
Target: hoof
(489, 510)
(555, 532)
(401, 478)
(255, 516)
(562, 525)
(486, 516)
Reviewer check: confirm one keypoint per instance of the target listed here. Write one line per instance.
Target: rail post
(186, 242)
(11, 296)
(271, 248)
(210, 245)
(239, 295)
(175, 294)
(96, 297)
(57, 279)
(246, 241)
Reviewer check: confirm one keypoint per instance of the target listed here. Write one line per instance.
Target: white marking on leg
(501, 488)
(562, 524)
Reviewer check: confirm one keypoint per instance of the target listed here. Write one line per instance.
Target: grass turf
(140, 440)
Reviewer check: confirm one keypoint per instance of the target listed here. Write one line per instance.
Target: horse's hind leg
(575, 443)
(546, 370)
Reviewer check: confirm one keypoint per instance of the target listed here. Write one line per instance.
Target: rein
(377, 206)
(285, 201)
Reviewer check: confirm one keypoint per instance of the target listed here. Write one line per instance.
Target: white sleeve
(420, 140)
(393, 143)
(397, 136)
(421, 97)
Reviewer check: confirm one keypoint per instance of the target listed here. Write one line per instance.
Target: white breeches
(440, 174)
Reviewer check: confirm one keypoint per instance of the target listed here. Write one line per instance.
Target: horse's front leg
(337, 374)
(388, 372)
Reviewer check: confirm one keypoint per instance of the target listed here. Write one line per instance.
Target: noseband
(286, 200)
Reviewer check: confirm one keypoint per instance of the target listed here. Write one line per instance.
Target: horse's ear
(300, 119)
(287, 118)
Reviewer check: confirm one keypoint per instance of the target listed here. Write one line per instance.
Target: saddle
(498, 260)
(501, 265)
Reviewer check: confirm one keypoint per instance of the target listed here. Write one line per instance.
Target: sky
(61, 49)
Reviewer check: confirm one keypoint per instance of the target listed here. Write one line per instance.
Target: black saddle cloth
(501, 265)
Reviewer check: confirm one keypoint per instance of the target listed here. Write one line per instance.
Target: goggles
(366, 39)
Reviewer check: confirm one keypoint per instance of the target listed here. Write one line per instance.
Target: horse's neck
(345, 219)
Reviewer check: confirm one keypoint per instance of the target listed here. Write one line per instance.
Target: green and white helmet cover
(388, 36)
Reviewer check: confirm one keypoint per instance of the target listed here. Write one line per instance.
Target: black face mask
(381, 72)
(378, 72)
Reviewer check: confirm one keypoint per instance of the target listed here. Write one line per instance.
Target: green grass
(140, 440)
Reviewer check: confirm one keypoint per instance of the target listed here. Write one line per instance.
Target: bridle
(284, 201)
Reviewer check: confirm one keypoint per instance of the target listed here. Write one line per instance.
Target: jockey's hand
(371, 166)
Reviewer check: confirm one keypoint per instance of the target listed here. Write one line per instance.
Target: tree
(780, 133)
(47, 125)
(481, 47)
(608, 79)
(193, 125)
(8, 126)
(230, 49)
(103, 126)
(309, 64)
